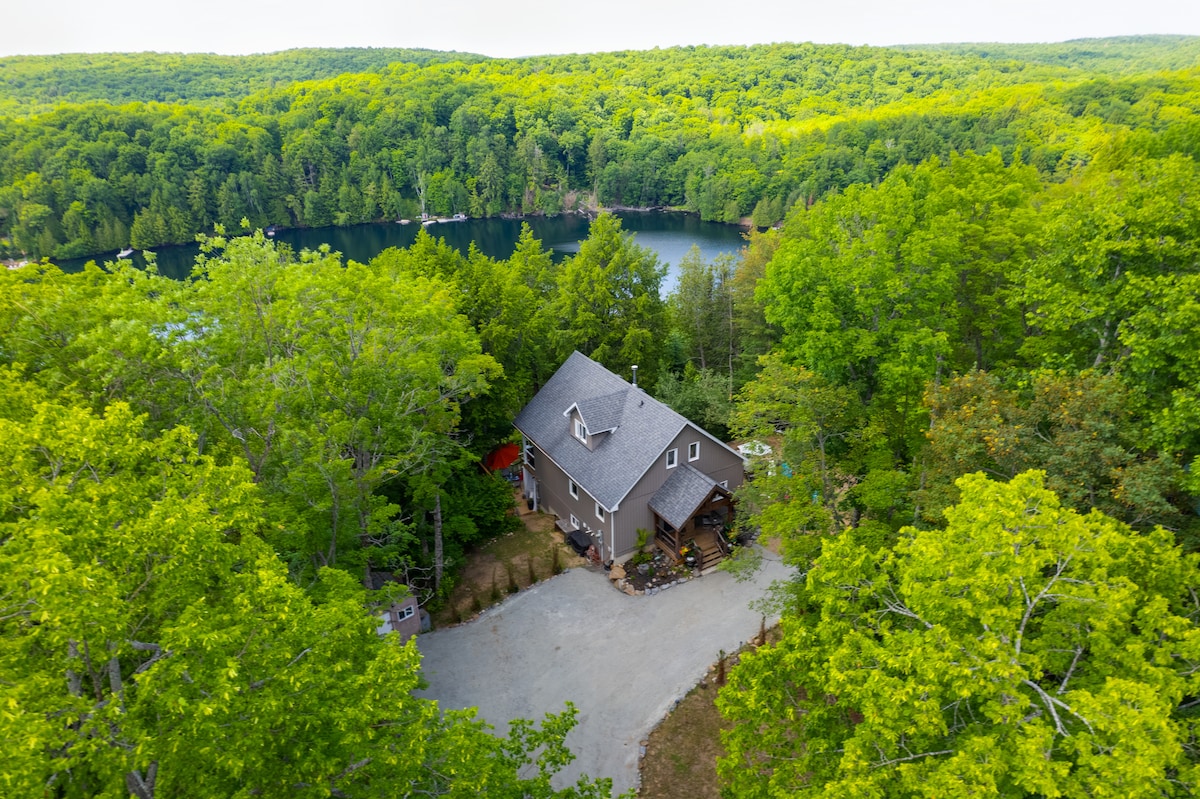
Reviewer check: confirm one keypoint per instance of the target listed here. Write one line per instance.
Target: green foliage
(804, 490)
(1078, 429)
(643, 536)
(1114, 54)
(89, 147)
(608, 305)
(887, 287)
(43, 81)
(976, 268)
(331, 380)
(702, 310)
(701, 395)
(1112, 234)
(146, 625)
(1024, 650)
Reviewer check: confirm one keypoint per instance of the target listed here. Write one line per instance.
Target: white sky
(530, 27)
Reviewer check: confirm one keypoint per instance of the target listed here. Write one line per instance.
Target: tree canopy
(147, 626)
(1023, 650)
(979, 260)
(102, 152)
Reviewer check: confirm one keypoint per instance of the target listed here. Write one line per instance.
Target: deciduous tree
(152, 645)
(1024, 650)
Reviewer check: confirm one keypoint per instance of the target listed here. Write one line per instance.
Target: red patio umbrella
(502, 457)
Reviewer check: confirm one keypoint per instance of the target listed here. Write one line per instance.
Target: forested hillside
(1116, 55)
(37, 83)
(724, 132)
(971, 346)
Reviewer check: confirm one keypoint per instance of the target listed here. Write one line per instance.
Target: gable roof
(602, 414)
(679, 497)
(641, 428)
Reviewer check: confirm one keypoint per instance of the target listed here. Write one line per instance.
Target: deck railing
(668, 542)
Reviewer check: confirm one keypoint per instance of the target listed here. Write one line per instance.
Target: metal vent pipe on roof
(635, 375)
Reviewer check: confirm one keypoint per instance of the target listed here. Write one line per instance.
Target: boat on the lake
(125, 253)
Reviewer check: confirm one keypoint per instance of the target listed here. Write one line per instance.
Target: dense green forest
(1115, 55)
(725, 132)
(31, 84)
(970, 343)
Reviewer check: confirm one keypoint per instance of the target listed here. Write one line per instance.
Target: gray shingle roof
(679, 497)
(644, 427)
(603, 413)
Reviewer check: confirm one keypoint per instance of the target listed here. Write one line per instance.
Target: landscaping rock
(617, 572)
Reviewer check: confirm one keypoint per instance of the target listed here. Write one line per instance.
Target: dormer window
(581, 430)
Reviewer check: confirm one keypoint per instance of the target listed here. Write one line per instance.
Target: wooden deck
(712, 548)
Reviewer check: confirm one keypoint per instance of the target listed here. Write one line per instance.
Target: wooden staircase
(713, 547)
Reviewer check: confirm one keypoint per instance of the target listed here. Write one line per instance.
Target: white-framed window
(580, 431)
(406, 613)
(672, 458)
(724, 484)
(599, 512)
(573, 489)
(574, 522)
(693, 451)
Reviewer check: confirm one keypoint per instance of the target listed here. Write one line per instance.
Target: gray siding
(554, 496)
(715, 461)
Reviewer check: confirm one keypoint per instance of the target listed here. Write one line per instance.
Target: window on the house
(672, 458)
(599, 512)
(724, 484)
(406, 613)
(693, 450)
(574, 522)
(580, 431)
(573, 489)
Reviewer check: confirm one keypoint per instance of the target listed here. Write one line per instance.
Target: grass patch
(681, 756)
(682, 751)
(507, 564)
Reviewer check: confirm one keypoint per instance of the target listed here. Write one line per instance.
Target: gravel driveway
(622, 660)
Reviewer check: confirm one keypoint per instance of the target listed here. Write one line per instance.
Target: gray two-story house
(608, 459)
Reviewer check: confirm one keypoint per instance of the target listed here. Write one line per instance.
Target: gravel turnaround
(622, 660)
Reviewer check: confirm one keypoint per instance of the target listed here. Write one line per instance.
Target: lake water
(668, 234)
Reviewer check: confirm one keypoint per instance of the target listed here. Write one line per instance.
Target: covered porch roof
(683, 494)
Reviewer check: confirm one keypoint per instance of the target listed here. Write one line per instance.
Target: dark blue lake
(669, 234)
